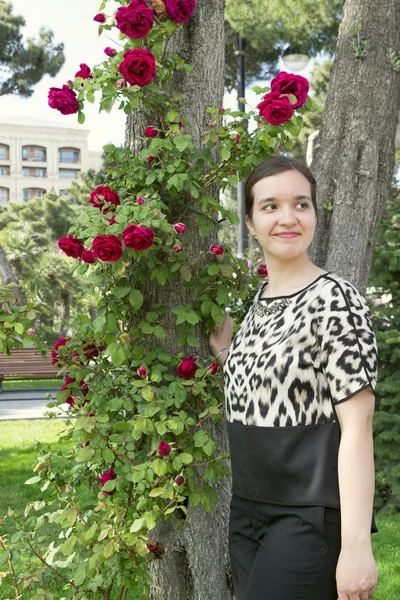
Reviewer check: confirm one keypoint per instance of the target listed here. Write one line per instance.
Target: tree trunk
(7, 273)
(195, 565)
(354, 158)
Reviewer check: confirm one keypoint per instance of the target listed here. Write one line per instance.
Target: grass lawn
(33, 384)
(22, 441)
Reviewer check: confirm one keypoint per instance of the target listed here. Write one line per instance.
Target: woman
(299, 381)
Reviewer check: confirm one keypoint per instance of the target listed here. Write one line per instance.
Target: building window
(29, 193)
(4, 195)
(26, 172)
(4, 152)
(40, 173)
(34, 153)
(64, 192)
(68, 174)
(4, 171)
(68, 155)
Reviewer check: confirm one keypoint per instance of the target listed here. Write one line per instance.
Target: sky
(72, 23)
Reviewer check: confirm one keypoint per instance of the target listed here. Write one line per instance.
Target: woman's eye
(305, 205)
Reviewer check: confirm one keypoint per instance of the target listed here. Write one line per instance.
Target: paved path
(25, 404)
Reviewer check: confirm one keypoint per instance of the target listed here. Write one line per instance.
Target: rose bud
(213, 123)
(155, 548)
(16, 300)
(263, 271)
(217, 250)
(110, 51)
(83, 445)
(178, 248)
(213, 368)
(187, 368)
(163, 448)
(112, 220)
(180, 480)
(180, 228)
(150, 159)
(120, 83)
(237, 138)
(88, 257)
(140, 200)
(150, 132)
(107, 476)
(31, 331)
(142, 371)
(100, 18)
(221, 110)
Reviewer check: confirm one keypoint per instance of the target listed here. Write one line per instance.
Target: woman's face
(282, 204)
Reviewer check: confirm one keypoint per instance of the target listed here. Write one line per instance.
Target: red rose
(84, 72)
(90, 351)
(187, 368)
(107, 248)
(100, 18)
(103, 194)
(113, 220)
(177, 248)
(275, 109)
(107, 476)
(71, 246)
(54, 353)
(150, 159)
(217, 250)
(142, 371)
(180, 11)
(67, 381)
(88, 257)
(288, 83)
(213, 368)
(150, 132)
(164, 449)
(180, 228)
(221, 110)
(180, 480)
(110, 51)
(262, 270)
(63, 99)
(138, 238)
(140, 200)
(138, 67)
(135, 20)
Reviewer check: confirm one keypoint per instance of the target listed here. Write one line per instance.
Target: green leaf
(117, 353)
(109, 550)
(115, 404)
(194, 500)
(186, 458)
(33, 480)
(160, 467)
(225, 153)
(91, 532)
(137, 525)
(217, 313)
(80, 574)
(84, 454)
(136, 299)
(213, 269)
(81, 117)
(90, 96)
(147, 328)
(159, 332)
(206, 502)
(98, 323)
(192, 317)
(186, 272)
(181, 142)
(3, 558)
(19, 328)
(157, 492)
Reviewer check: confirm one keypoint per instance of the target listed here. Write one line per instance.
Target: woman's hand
(356, 576)
(222, 337)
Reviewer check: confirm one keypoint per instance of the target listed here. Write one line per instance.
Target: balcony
(34, 153)
(69, 156)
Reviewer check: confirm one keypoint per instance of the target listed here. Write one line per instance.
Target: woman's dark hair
(273, 166)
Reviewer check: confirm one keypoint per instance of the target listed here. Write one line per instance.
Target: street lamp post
(241, 55)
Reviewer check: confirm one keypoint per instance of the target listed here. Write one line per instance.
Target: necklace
(276, 306)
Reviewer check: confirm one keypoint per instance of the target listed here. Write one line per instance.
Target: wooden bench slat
(26, 363)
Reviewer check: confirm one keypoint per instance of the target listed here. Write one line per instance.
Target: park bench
(26, 363)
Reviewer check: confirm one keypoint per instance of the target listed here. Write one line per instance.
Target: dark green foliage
(385, 277)
(270, 25)
(22, 65)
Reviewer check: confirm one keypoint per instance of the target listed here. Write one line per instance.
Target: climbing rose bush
(103, 194)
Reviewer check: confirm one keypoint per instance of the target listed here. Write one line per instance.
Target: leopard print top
(292, 361)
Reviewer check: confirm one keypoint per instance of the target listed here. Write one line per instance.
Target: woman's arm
(356, 569)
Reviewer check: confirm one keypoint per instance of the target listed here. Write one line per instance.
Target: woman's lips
(287, 235)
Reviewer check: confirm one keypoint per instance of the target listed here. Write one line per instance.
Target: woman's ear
(250, 226)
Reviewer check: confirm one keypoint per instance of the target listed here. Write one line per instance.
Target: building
(37, 156)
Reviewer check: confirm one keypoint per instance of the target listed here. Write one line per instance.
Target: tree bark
(354, 155)
(195, 565)
(7, 273)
